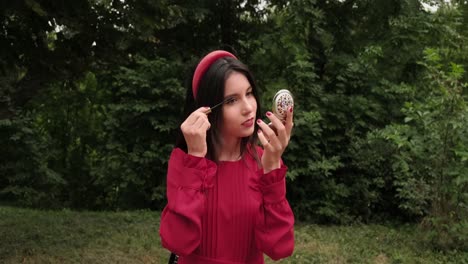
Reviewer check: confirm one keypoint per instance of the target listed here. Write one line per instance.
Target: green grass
(34, 236)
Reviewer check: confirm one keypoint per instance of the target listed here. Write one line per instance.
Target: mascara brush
(218, 104)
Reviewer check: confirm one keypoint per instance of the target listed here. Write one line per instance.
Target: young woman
(226, 195)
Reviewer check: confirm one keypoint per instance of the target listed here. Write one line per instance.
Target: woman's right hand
(194, 129)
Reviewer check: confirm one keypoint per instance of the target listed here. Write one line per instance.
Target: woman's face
(239, 113)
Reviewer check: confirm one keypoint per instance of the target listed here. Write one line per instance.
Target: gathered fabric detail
(225, 213)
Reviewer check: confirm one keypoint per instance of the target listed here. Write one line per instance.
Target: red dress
(230, 212)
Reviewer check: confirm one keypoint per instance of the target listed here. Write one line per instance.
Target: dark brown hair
(211, 92)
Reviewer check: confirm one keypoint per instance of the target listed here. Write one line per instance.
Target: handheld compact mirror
(281, 102)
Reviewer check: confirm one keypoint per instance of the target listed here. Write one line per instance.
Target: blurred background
(91, 94)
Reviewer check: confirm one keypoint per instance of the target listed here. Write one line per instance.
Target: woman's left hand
(273, 143)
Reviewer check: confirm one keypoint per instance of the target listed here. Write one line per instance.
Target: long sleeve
(274, 232)
(187, 179)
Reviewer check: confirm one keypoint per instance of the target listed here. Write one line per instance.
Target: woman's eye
(231, 101)
(249, 93)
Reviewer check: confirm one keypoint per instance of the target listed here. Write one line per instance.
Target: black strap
(173, 259)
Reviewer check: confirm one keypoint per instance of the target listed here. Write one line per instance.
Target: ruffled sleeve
(187, 179)
(274, 231)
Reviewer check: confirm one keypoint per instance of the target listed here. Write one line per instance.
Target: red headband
(203, 66)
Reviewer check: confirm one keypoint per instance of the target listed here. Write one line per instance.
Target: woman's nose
(248, 105)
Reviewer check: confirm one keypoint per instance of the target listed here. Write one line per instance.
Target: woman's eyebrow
(236, 94)
(231, 95)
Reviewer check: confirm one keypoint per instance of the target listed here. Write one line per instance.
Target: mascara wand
(218, 104)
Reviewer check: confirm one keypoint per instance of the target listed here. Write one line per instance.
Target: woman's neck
(229, 150)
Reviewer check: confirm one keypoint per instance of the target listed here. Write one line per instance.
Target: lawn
(35, 236)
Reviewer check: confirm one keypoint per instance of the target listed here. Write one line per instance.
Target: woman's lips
(248, 123)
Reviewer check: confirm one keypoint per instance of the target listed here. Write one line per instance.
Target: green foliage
(428, 160)
(338, 59)
(140, 124)
(25, 175)
(64, 125)
(96, 146)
